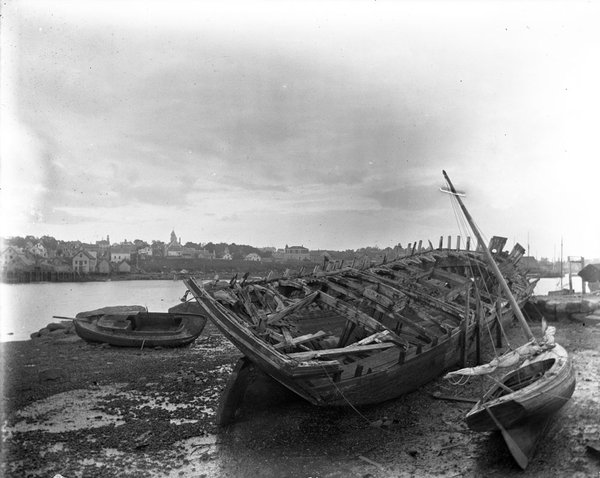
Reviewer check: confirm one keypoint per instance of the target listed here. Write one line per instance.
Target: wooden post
(478, 331)
(441, 242)
(458, 243)
(570, 279)
(449, 242)
(582, 281)
(466, 328)
(498, 324)
(468, 243)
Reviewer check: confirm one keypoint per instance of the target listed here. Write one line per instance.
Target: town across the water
(32, 259)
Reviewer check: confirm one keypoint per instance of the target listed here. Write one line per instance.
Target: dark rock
(58, 332)
(51, 374)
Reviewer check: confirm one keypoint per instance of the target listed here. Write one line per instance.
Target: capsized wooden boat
(128, 326)
(522, 402)
(350, 335)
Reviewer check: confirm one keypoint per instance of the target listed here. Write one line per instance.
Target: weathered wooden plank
(427, 317)
(279, 299)
(450, 277)
(348, 329)
(349, 350)
(300, 339)
(292, 308)
(380, 299)
(246, 302)
(371, 324)
(315, 369)
(357, 316)
(341, 289)
(385, 286)
(287, 336)
(376, 337)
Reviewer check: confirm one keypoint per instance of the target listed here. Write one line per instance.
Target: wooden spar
(466, 328)
(492, 263)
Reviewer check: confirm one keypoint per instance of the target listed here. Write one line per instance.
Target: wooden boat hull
(141, 329)
(404, 375)
(431, 287)
(541, 398)
(523, 415)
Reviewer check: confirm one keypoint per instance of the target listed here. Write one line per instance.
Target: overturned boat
(133, 326)
(351, 335)
(521, 403)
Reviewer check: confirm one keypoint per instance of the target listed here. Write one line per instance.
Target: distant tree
(192, 245)
(158, 248)
(17, 241)
(49, 243)
(140, 244)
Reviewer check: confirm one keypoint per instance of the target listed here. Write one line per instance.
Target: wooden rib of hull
(167, 330)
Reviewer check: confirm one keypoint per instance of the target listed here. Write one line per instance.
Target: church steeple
(173, 237)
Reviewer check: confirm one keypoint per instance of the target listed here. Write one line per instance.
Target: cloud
(293, 115)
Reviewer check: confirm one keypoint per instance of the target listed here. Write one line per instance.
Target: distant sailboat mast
(561, 263)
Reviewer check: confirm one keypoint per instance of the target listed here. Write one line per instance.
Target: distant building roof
(120, 249)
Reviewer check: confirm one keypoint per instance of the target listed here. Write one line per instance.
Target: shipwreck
(359, 334)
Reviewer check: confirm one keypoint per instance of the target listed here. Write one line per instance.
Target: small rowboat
(131, 327)
(539, 387)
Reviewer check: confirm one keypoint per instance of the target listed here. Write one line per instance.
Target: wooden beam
(301, 339)
(358, 317)
(350, 350)
(370, 323)
(292, 308)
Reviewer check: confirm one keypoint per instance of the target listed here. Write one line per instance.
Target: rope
(464, 228)
(346, 400)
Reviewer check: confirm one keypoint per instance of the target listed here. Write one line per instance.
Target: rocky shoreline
(80, 410)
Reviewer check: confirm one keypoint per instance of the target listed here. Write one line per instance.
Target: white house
(119, 253)
(296, 253)
(83, 262)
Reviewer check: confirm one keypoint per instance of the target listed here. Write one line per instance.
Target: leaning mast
(515, 307)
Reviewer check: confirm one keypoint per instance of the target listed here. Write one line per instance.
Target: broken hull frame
(395, 370)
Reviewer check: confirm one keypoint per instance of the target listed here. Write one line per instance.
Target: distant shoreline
(224, 274)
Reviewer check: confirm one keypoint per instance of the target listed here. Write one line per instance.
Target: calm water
(546, 285)
(26, 308)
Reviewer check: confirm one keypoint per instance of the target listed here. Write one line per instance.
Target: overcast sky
(325, 124)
